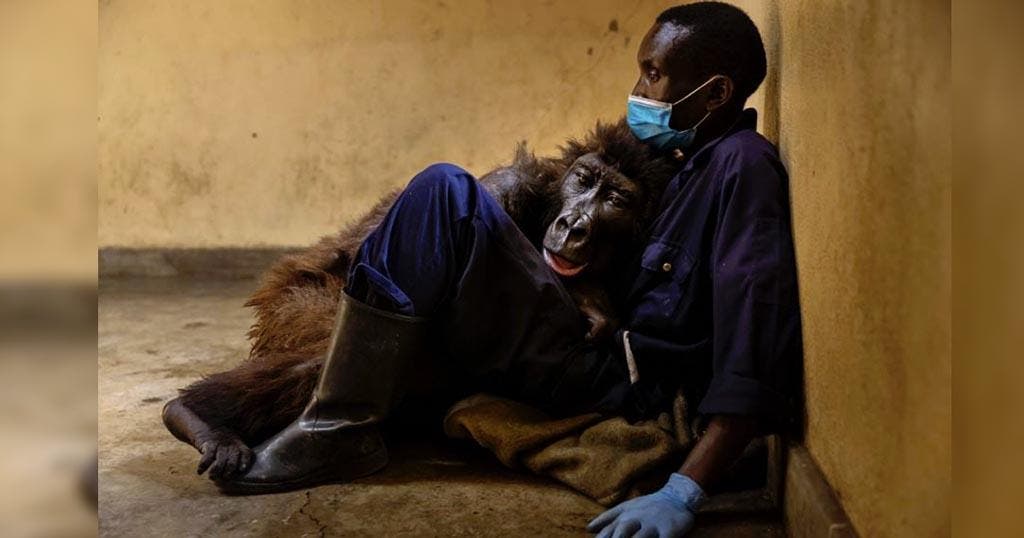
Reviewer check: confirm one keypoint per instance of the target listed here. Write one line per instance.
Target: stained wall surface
(239, 123)
(859, 101)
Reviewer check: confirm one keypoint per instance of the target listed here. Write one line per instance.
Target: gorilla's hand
(593, 302)
(224, 454)
(601, 325)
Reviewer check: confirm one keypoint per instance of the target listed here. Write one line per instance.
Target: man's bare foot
(223, 452)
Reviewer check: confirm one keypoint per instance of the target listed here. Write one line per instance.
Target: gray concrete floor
(157, 335)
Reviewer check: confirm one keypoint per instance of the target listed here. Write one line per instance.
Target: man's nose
(640, 89)
(637, 89)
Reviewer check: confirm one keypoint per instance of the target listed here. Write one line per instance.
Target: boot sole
(350, 470)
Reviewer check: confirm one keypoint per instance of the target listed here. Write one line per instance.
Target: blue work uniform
(712, 304)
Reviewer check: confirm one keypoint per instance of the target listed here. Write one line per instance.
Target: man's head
(692, 44)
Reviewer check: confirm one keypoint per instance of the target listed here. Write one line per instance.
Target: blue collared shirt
(713, 306)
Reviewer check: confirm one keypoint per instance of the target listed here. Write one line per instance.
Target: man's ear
(720, 92)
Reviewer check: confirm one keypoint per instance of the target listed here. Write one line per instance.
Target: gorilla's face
(597, 217)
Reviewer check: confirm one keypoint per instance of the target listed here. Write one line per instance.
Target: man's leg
(447, 252)
(506, 324)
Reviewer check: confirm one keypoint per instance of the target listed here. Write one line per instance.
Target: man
(732, 292)
(713, 308)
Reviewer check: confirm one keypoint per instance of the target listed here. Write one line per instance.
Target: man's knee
(442, 177)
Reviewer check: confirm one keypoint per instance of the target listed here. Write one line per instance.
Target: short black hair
(725, 40)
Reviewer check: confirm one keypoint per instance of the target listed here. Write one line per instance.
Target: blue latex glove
(666, 512)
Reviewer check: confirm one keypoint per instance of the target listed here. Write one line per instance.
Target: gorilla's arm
(518, 193)
(527, 190)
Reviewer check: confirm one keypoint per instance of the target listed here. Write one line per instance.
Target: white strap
(634, 376)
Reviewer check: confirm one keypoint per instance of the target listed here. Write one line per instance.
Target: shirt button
(666, 267)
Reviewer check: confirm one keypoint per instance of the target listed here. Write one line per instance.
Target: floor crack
(321, 528)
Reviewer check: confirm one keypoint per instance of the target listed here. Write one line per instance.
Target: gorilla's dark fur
(298, 297)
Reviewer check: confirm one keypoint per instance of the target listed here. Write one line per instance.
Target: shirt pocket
(667, 267)
(668, 260)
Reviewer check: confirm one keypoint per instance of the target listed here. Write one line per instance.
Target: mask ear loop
(701, 120)
(708, 81)
(695, 90)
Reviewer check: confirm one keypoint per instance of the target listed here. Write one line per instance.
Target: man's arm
(722, 443)
(671, 510)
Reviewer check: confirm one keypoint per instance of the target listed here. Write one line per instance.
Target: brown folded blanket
(603, 457)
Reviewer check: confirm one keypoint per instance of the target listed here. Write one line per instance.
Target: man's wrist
(684, 491)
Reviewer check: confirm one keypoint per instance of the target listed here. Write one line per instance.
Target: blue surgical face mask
(648, 119)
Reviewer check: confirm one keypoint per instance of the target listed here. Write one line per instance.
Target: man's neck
(715, 126)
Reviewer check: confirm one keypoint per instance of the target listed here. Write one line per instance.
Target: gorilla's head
(606, 197)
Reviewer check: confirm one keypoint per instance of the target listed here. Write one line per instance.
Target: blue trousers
(505, 323)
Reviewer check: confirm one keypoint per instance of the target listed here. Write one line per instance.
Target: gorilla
(583, 209)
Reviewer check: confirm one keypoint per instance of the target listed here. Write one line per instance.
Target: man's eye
(618, 200)
(653, 75)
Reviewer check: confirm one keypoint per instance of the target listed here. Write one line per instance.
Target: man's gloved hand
(666, 512)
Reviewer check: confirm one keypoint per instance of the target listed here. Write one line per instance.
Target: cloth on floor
(603, 457)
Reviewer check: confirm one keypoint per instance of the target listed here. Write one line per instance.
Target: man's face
(667, 75)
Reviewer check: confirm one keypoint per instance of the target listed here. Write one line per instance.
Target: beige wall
(863, 123)
(249, 123)
(47, 141)
(348, 99)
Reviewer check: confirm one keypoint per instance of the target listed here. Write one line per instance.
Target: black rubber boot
(336, 438)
